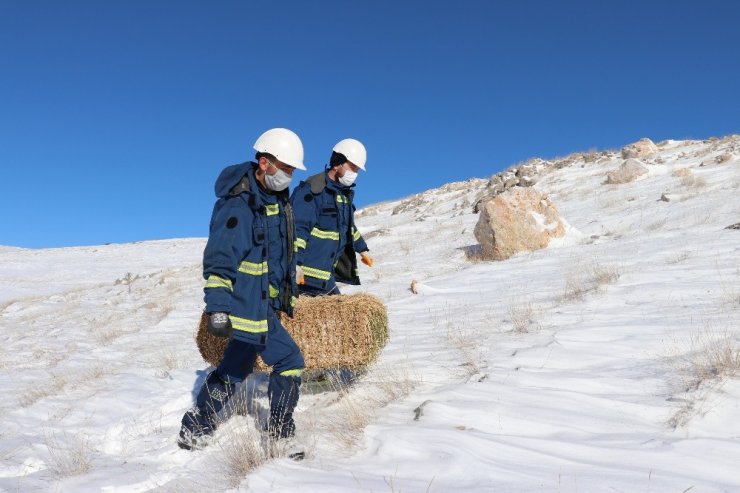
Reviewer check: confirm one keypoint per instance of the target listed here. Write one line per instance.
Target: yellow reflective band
(324, 275)
(300, 243)
(324, 235)
(356, 236)
(252, 268)
(293, 300)
(342, 199)
(247, 325)
(291, 373)
(274, 292)
(218, 282)
(272, 209)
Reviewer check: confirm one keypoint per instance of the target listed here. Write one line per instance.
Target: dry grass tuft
(523, 317)
(693, 181)
(356, 407)
(679, 257)
(41, 391)
(718, 358)
(467, 344)
(654, 226)
(596, 277)
(574, 290)
(681, 172)
(713, 358)
(601, 275)
(242, 451)
(70, 455)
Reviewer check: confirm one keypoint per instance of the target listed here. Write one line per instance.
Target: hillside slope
(603, 363)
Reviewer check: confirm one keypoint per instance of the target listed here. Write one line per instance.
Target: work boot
(187, 440)
(200, 421)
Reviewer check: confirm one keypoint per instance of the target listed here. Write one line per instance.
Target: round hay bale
(344, 331)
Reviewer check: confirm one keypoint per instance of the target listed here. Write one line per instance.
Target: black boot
(200, 421)
(283, 394)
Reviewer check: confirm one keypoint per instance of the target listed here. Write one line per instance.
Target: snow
(567, 369)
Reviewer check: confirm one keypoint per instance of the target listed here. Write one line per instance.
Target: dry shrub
(69, 455)
(344, 331)
(681, 172)
(679, 257)
(467, 343)
(37, 392)
(717, 358)
(693, 181)
(523, 316)
(714, 358)
(656, 225)
(603, 274)
(574, 290)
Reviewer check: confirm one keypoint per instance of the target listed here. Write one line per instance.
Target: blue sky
(117, 116)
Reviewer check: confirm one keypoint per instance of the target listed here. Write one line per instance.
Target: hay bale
(345, 331)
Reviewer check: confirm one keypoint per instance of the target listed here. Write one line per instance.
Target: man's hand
(299, 275)
(366, 259)
(219, 324)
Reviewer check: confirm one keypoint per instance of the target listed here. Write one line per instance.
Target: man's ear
(263, 164)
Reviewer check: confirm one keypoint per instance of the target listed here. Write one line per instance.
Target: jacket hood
(230, 177)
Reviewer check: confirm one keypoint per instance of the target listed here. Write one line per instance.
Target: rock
(520, 219)
(527, 175)
(640, 149)
(511, 181)
(733, 226)
(527, 181)
(629, 171)
(666, 197)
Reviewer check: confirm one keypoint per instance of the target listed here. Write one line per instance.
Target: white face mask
(348, 178)
(279, 181)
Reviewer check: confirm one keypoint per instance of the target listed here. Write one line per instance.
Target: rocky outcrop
(523, 175)
(641, 149)
(629, 171)
(520, 219)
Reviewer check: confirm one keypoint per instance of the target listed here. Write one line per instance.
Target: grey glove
(219, 324)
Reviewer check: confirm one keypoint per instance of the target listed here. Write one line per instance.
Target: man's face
(271, 167)
(347, 166)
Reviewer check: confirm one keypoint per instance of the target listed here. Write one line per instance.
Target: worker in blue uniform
(327, 239)
(249, 267)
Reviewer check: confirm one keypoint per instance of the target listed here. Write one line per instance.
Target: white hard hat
(353, 150)
(284, 144)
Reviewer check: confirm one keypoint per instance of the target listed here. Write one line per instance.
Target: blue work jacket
(326, 236)
(249, 260)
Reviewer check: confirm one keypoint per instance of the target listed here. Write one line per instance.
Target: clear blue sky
(116, 116)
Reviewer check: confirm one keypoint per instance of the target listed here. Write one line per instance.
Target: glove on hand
(299, 279)
(366, 259)
(219, 324)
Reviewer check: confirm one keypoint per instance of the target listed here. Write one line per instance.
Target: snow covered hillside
(608, 362)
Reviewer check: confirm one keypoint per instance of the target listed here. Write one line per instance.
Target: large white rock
(518, 220)
(640, 149)
(630, 170)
